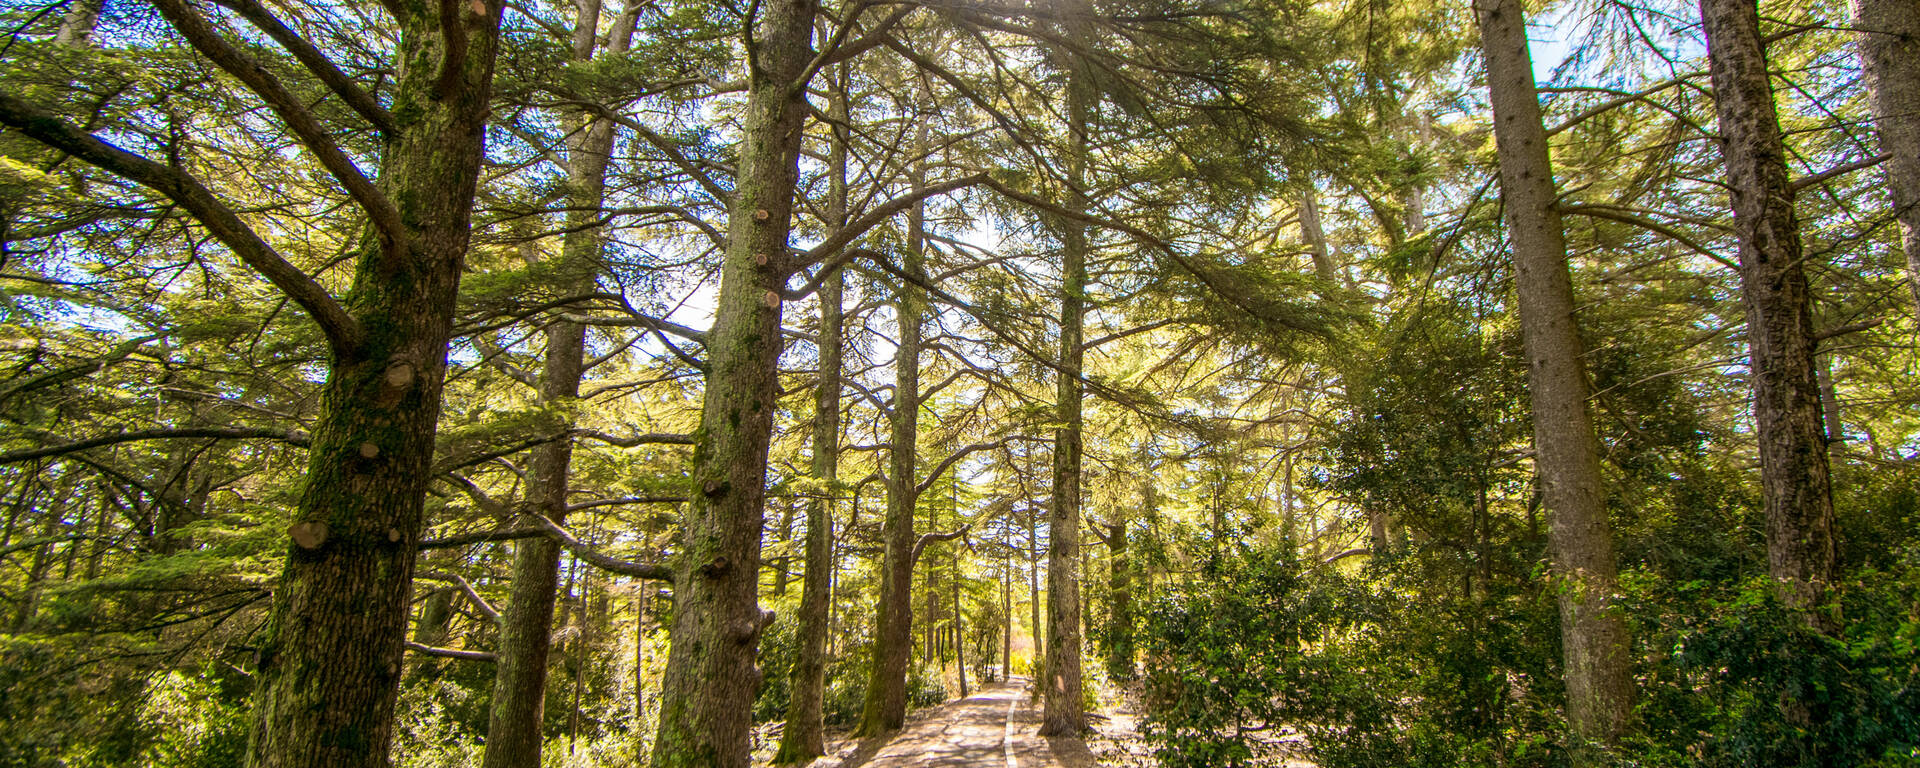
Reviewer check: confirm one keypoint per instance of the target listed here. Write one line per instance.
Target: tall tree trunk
(1379, 536)
(1890, 62)
(1006, 602)
(514, 735)
(1415, 197)
(803, 738)
(640, 604)
(76, 27)
(329, 658)
(1786, 391)
(959, 628)
(1120, 602)
(886, 705)
(710, 679)
(1594, 642)
(1036, 628)
(1064, 712)
(783, 565)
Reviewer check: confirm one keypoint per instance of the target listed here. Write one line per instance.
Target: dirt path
(994, 728)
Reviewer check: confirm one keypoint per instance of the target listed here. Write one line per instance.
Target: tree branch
(1614, 214)
(315, 61)
(544, 527)
(450, 653)
(650, 438)
(317, 138)
(1838, 170)
(854, 229)
(929, 538)
(1842, 330)
(479, 603)
(54, 378)
(641, 321)
(342, 332)
(293, 437)
(949, 461)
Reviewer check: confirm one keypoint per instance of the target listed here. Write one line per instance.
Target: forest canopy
(695, 383)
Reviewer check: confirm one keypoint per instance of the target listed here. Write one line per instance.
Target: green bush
(1751, 684)
(926, 686)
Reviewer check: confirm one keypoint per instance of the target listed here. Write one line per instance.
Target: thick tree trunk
(1594, 641)
(1786, 391)
(886, 705)
(1890, 64)
(803, 738)
(710, 679)
(514, 734)
(1064, 713)
(329, 658)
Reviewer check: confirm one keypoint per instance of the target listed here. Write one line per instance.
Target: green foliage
(779, 648)
(197, 724)
(1764, 689)
(60, 708)
(435, 728)
(1369, 669)
(926, 686)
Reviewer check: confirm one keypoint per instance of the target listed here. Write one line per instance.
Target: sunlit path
(994, 727)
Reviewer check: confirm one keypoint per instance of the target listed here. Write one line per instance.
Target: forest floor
(996, 726)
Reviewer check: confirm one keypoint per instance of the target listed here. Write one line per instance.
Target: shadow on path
(994, 728)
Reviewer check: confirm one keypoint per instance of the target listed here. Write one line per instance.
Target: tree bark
(514, 736)
(1063, 711)
(803, 738)
(1594, 641)
(1890, 64)
(886, 705)
(329, 658)
(1794, 477)
(710, 678)
(76, 27)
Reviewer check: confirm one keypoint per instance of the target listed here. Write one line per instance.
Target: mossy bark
(710, 678)
(1064, 711)
(1594, 642)
(329, 658)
